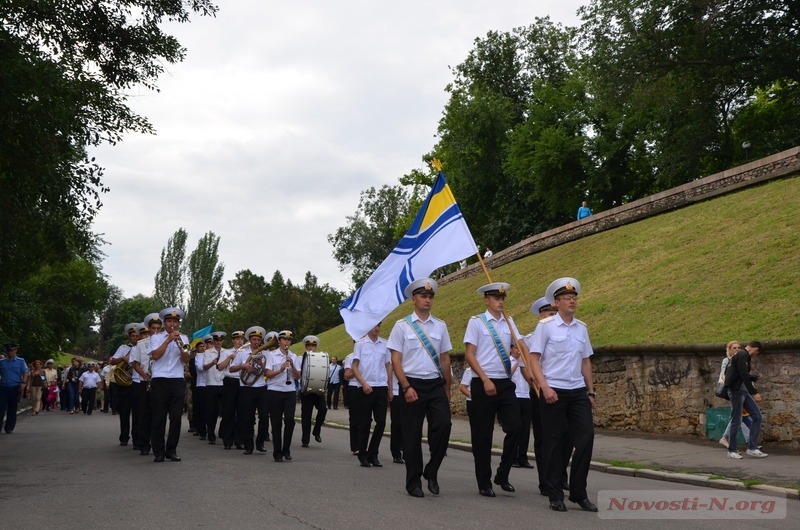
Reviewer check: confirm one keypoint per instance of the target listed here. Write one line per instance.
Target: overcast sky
(281, 114)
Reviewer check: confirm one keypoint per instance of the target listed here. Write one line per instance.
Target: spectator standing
(13, 378)
(584, 211)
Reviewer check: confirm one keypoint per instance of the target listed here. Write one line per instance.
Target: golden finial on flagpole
(437, 165)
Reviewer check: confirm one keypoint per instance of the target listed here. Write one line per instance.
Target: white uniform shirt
(523, 389)
(140, 354)
(486, 353)
(563, 348)
(372, 359)
(466, 379)
(213, 376)
(242, 357)
(417, 362)
(200, 379)
(227, 371)
(275, 359)
(90, 379)
(169, 365)
(347, 362)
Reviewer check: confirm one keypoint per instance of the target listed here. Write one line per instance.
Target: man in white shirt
(283, 369)
(371, 372)
(169, 352)
(253, 396)
(420, 347)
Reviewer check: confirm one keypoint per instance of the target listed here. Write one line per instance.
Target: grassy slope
(724, 269)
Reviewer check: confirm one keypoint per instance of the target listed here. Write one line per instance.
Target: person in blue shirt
(13, 378)
(583, 211)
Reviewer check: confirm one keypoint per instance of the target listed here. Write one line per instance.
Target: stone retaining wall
(669, 388)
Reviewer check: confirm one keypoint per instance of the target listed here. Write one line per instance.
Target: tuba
(248, 378)
(123, 373)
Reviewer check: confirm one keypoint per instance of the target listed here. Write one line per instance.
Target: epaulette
(580, 322)
(545, 320)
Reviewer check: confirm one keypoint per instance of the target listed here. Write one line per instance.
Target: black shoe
(191, 429)
(505, 486)
(278, 458)
(228, 447)
(239, 446)
(565, 486)
(287, 456)
(433, 486)
(375, 462)
(558, 506)
(158, 458)
(586, 505)
(486, 492)
(212, 442)
(260, 449)
(515, 464)
(144, 452)
(304, 445)
(173, 457)
(202, 436)
(398, 460)
(364, 463)
(526, 464)
(124, 443)
(335, 408)
(248, 451)
(318, 438)
(416, 492)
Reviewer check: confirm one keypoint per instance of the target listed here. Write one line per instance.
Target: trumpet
(182, 345)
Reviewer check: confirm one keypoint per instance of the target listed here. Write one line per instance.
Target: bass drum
(314, 379)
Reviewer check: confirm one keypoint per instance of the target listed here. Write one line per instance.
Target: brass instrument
(123, 373)
(248, 378)
(182, 345)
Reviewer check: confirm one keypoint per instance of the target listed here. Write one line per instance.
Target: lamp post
(746, 147)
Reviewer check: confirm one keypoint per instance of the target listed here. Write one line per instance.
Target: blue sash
(498, 344)
(426, 343)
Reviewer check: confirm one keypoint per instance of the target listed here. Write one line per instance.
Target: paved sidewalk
(685, 460)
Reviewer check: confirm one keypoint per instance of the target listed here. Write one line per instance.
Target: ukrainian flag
(438, 236)
(200, 333)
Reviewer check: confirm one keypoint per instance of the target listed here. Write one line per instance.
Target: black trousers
(572, 413)
(333, 392)
(309, 402)
(347, 392)
(504, 407)
(213, 409)
(143, 416)
(123, 400)
(136, 390)
(525, 416)
(199, 399)
(396, 429)
(433, 405)
(352, 417)
(167, 395)
(228, 426)
(89, 395)
(371, 407)
(281, 414)
(251, 400)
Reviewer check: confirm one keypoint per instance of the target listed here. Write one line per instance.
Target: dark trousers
(396, 429)
(167, 395)
(142, 417)
(251, 400)
(89, 396)
(9, 401)
(281, 414)
(371, 407)
(572, 413)
(333, 392)
(352, 418)
(525, 415)
(228, 426)
(433, 405)
(199, 410)
(504, 407)
(309, 402)
(123, 399)
(347, 392)
(213, 409)
(136, 404)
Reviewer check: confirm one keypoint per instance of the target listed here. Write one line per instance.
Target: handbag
(721, 391)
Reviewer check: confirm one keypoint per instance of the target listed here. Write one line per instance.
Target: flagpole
(513, 335)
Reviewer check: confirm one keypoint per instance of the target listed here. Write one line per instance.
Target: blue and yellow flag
(200, 333)
(438, 236)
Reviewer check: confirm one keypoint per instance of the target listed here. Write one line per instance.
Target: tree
(65, 71)
(372, 232)
(205, 282)
(117, 314)
(170, 280)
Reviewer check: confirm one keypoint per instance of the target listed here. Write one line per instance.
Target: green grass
(632, 465)
(715, 271)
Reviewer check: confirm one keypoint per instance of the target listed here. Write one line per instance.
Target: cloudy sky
(278, 118)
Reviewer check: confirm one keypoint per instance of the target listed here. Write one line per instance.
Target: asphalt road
(62, 471)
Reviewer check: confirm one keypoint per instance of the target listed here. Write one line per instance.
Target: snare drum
(314, 380)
